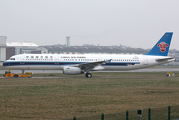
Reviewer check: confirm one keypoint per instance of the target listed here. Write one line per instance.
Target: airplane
(74, 64)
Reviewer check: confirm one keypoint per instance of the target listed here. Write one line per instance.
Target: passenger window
(32, 56)
(37, 57)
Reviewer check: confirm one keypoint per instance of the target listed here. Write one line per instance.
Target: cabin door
(56, 59)
(145, 61)
(22, 60)
(99, 59)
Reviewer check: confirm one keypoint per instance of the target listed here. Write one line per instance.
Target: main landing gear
(88, 75)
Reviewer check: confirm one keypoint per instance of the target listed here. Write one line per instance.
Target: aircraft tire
(16, 75)
(88, 75)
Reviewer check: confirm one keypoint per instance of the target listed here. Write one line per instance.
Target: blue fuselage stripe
(7, 63)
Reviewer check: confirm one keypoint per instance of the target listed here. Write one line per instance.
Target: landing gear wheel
(16, 75)
(88, 75)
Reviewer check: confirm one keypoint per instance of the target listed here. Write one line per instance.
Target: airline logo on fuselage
(162, 46)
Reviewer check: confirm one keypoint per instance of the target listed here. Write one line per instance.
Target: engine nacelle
(72, 70)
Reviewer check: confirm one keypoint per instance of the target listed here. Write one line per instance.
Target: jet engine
(72, 70)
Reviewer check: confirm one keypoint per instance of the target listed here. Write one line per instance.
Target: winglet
(162, 46)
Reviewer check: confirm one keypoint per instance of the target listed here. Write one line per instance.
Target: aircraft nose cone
(4, 64)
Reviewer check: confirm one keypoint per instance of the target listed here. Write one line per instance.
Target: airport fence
(164, 113)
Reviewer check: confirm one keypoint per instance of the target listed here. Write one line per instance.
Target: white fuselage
(58, 61)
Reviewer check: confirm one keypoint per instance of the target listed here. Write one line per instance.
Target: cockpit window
(12, 58)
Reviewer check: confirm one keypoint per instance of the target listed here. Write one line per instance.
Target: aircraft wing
(164, 59)
(89, 66)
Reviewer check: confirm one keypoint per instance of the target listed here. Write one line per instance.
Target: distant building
(10, 51)
(93, 50)
(40, 50)
(36, 52)
(22, 47)
(3, 48)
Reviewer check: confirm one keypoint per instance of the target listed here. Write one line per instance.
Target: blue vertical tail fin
(162, 46)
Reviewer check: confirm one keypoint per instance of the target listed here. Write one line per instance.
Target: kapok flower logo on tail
(162, 46)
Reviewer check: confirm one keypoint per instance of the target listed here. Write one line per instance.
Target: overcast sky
(135, 23)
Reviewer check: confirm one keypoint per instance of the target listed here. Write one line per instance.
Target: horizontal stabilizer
(165, 59)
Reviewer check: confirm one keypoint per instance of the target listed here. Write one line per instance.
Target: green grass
(59, 98)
